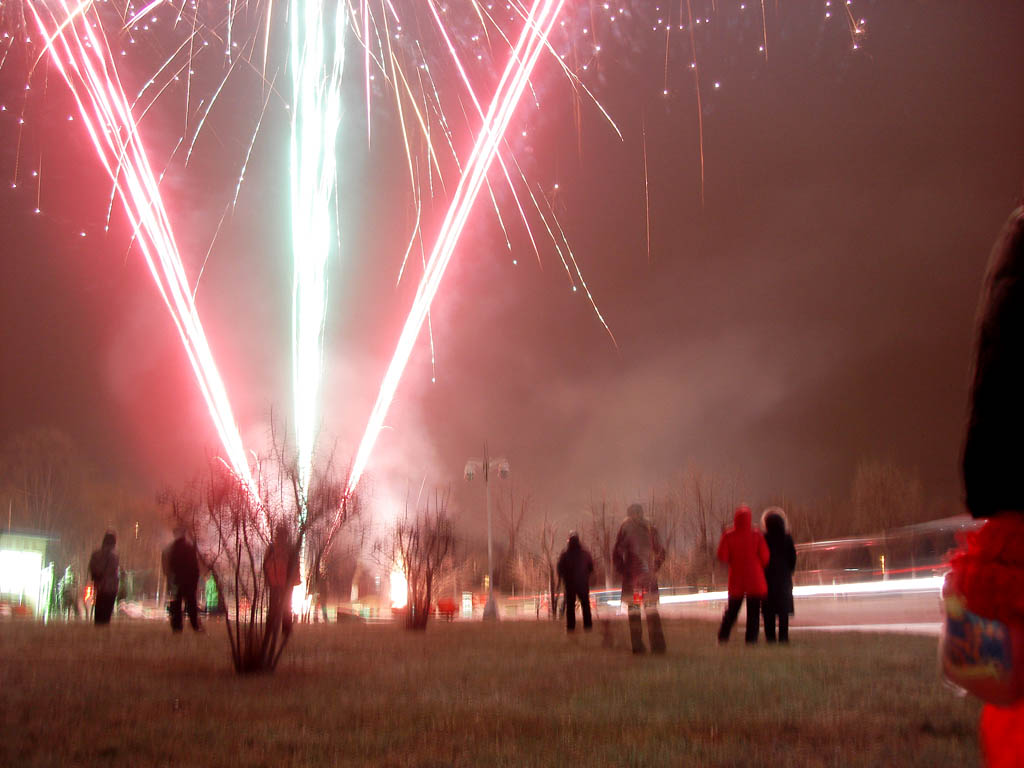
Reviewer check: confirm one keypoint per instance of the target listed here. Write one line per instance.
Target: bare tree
(703, 519)
(549, 562)
(231, 524)
(511, 519)
(43, 476)
(666, 512)
(421, 545)
(883, 496)
(603, 529)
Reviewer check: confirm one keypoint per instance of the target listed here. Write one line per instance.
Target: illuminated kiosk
(25, 582)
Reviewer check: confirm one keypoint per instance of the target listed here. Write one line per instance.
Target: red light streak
(82, 55)
(532, 41)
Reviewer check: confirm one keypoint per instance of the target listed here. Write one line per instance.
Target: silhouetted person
(778, 604)
(984, 609)
(181, 565)
(281, 572)
(637, 556)
(103, 569)
(744, 550)
(575, 565)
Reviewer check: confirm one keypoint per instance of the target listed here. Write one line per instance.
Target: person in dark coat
(181, 566)
(637, 556)
(103, 569)
(778, 573)
(743, 549)
(575, 566)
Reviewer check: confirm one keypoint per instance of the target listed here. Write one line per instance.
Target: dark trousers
(188, 596)
(570, 609)
(769, 624)
(104, 607)
(732, 610)
(279, 612)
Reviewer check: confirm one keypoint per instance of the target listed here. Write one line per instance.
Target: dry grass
(519, 694)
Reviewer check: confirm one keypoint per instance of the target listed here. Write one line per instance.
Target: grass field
(516, 694)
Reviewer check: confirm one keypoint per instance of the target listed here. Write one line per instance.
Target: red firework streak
(79, 50)
(522, 60)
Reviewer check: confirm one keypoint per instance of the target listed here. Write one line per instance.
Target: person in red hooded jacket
(744, 550)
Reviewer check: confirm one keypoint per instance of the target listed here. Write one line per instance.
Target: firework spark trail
(317, 62)
(510, 89)
(81, 54)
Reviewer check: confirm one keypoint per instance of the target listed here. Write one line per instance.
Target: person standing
(744, 550)
(281, 573)
(103, 568)
(637, 556)
(181, 566)
(778, 574)
(575, 566)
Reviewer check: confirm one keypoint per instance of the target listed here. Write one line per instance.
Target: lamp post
(488, 465)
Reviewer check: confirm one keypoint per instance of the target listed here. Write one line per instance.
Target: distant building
(26, 573)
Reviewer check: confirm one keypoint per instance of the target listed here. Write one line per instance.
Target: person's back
(637, 549)
(984, 587)
(778, 573)
(281, 572)
(637, 556)
(744, 550)
(575, 565)
(103, 568)
(183, 564)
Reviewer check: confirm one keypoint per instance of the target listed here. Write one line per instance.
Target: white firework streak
(317, 61)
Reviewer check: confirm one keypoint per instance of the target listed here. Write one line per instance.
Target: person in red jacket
(744, 550)
(982, 645)
(281, 572)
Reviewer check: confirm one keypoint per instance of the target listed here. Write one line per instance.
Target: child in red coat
(983, 639)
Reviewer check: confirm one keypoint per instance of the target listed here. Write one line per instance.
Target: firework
(80, 52)
(317, 60)
(536, 28)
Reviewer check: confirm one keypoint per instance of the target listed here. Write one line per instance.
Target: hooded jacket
(103, 567)
(781, 563)
(181, 563)
(575, 566)
(994, 447)
(744, 550)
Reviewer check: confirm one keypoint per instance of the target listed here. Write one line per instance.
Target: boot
(654, 633)
(636, 632)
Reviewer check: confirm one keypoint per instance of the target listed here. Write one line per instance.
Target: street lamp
(488, 465)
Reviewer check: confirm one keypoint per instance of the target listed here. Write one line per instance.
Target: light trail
(927, 584)
(317, 62)
(80, 52)
(514, 80)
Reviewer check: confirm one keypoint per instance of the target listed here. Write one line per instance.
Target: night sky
(815, 310)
